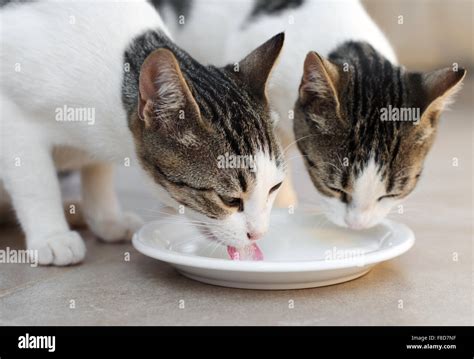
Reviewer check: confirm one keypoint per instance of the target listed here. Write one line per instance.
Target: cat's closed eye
(274, 188)
(388, 196)
(337, 190)
(234, 202)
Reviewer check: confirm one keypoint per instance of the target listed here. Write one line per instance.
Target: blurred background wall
(434, 33)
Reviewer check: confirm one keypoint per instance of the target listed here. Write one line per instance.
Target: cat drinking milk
(152, 103)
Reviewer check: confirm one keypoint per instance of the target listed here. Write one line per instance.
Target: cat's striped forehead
(215, 142)
(227, 106)
(373, 82)
(243, 121)
(374, 85)
(357, 146)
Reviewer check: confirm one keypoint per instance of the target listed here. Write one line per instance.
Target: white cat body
(42, 72)
(61, 74)
(60, 62)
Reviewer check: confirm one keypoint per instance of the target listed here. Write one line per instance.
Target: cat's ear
(163, 91)
(321, 80)
(439, 88)
(254, 70)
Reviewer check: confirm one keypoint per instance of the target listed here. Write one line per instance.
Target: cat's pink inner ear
(321, 83)
(320, 77)
(162, 87)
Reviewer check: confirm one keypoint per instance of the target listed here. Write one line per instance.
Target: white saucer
(300, 251)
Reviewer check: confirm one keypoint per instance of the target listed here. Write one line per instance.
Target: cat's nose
(357, 221)
(253, 236)
(355, 225)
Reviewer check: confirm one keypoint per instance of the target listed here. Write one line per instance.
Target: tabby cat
(82, 87)
(366, 126)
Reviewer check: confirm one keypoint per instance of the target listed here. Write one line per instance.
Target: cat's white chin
(342, 221)
(338, 213)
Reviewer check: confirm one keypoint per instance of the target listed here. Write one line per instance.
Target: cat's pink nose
(253, 236)
(357, 221)
(355, 225)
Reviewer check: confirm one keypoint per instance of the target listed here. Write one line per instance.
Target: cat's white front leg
(31, 180)
(101, 207)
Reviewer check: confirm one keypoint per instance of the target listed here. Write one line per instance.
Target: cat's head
(205, 137)
(363, 151)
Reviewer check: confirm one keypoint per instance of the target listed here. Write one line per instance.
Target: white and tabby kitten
(359, 164)
(134, 95)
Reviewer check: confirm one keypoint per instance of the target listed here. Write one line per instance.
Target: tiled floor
(426, 286)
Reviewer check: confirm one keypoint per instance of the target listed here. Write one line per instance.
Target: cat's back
(53, 51)
(223, 31)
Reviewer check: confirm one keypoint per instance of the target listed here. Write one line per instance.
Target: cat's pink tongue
(251, 252)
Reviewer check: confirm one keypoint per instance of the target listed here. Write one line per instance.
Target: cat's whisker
(286, 160)
(186, 241)
(216, 245)
(283, 152)
(339, 159)
(155, 211)
(206, 227)
(173, 218)
(331, 164)
(403, 170)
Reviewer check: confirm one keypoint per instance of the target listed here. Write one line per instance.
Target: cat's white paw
(61, 249)
(117, 229)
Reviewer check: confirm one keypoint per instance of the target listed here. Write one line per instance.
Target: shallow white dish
(300, 251)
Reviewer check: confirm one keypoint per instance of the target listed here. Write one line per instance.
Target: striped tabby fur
(232, 117)
(361, 164)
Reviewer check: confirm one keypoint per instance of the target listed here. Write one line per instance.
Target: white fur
(365, 210)
(254, 219)
(170, 96)
(70, 54)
